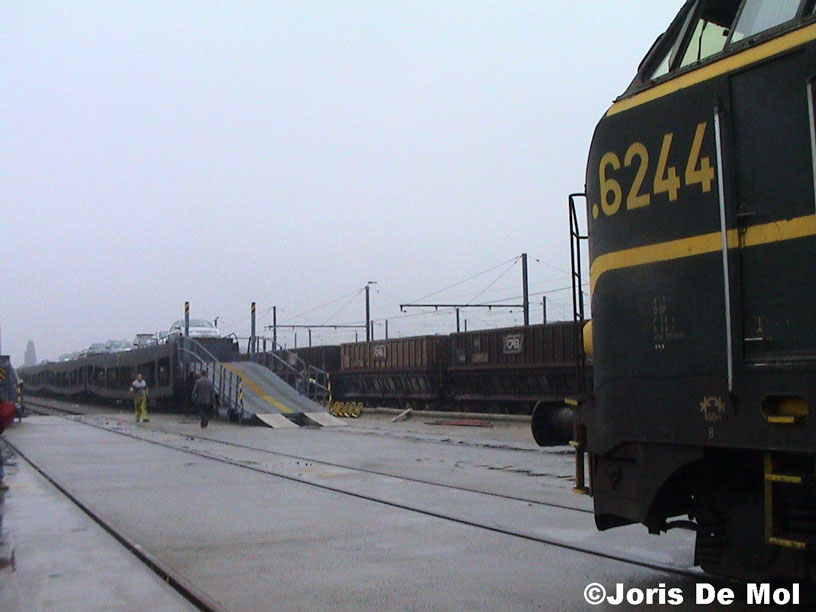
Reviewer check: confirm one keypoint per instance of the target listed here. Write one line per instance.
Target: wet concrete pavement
(362, 517)
(63, 560)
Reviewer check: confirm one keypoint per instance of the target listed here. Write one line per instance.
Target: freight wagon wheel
(552, 423)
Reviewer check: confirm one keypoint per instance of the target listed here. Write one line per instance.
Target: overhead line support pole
(368, 315)
(252, 347)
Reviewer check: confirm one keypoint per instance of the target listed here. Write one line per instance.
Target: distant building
(30, 355)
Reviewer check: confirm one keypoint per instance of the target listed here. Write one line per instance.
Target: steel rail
(352, 468)
(669, 569)
(178, 582)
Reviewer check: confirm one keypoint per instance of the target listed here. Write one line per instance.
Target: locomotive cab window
(671, 54)
(706, 27)
(700, 31)
(760, 15)
(711, 30)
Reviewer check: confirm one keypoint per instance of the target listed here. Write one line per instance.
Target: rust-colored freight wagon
(550, 345)
(394, 372)
(517, 370)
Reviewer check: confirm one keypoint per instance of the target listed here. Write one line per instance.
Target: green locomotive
(701, 208)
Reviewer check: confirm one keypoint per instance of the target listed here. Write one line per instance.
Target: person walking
(3, 486)
(139, 388)
(6, 419)
(189, 383)
(203, 397)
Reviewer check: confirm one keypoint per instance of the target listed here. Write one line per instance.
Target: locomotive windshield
(705, 28)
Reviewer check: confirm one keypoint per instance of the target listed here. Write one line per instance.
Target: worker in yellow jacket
(139, 389)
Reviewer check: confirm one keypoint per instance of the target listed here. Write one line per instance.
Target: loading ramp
(272, 400)
(248, 390)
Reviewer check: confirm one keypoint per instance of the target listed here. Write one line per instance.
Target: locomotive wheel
(732, 542)
(744, 540)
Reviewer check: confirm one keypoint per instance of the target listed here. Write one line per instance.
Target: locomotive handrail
(578, 314)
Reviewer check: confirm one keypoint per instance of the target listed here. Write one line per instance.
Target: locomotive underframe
(721, 493)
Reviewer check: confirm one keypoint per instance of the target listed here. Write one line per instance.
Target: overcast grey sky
(289, 152)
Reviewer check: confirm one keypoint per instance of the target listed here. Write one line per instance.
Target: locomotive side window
(760, 15)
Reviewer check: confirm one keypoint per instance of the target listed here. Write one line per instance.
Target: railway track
(351, 467)
(174, 579)
(145, 434)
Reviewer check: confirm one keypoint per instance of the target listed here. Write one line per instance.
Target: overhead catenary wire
(505, 288)
(494, 301)
(474, 318)
(498, 278)
(329, 303)
(245, 320)
(470, 278)
(490, 289)
(552, 267)
(343, 307)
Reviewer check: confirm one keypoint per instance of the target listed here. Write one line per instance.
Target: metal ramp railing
(309, 380)
(249, 390)
(194, 358)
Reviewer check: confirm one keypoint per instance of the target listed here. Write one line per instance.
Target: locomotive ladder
(774, 478)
